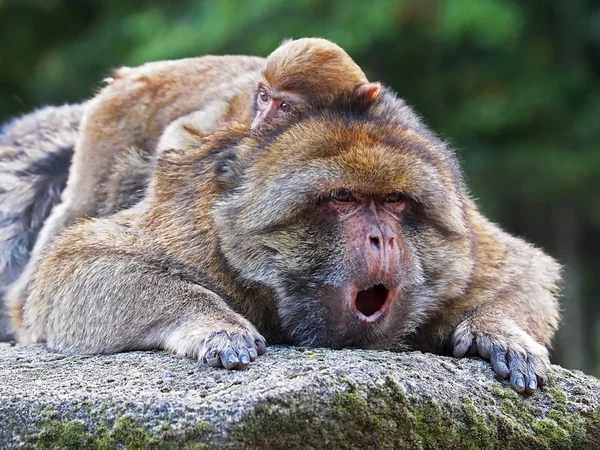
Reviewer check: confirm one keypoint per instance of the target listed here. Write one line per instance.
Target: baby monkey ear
(368, 91)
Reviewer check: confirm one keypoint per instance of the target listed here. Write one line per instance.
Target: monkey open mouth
(370, 304)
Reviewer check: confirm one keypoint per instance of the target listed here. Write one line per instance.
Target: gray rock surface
(289, 398)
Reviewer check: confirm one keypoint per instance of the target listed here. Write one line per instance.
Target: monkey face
(355, 221)
(272, 103)
(371, 228)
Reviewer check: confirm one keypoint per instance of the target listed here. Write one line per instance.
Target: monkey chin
(371, 305)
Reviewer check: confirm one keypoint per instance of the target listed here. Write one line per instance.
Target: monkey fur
(35, 154)
(343, 224)
(180, 100)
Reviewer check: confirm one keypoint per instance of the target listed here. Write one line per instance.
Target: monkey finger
(251, 348)
(498, 360)
(516, 362)
(538, 365)
(542, 369)
(531, 381)
(244, 358)
(229, 359)
(531, 385)
(542, 380)
(517, 381)
(261, 346)
(212, 358)
(462, 347)
(484, 347)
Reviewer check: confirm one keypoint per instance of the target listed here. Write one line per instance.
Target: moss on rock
(124, 433)
(387, 418)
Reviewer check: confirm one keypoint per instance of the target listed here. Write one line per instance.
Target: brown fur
(179, 100)
(239, 233)
(313, 65)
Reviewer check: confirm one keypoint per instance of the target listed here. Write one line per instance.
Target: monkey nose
(374, 238)
(381, 252)
(375, 242)
(381, 241)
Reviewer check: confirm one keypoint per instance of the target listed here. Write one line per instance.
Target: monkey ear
(368, 91)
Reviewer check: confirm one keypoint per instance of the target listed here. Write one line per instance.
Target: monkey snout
(382, 252)
(381, 241)
(370, 304)
(381, 258)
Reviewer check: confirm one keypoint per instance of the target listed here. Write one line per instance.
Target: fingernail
(460, 349)
(245, 359)
(261, 346)
(520, 383)
(232, 358)
(532, 385)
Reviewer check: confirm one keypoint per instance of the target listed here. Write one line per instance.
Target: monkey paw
(232, 350)
(511, 351)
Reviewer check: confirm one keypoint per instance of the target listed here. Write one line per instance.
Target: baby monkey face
(271, 103)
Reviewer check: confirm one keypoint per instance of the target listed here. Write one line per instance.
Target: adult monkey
(161, 105)
(349, 225)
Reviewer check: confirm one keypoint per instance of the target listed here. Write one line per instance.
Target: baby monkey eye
(285, 106)
(394, 197)
(342, 196)
(262, 94)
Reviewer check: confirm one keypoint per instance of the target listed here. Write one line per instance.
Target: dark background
(513, 85)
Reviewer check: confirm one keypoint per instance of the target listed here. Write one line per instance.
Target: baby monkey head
(303, 70)
(353, 214)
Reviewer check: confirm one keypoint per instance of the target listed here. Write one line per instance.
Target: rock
(289, 398)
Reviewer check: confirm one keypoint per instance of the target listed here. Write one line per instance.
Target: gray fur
(35, 154)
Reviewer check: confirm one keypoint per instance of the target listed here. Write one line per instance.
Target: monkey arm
(514, 311)
(91, 296)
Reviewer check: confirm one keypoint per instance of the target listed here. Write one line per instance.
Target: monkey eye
(394, 197)
(285, 106)
(342, 196)
(262, 94)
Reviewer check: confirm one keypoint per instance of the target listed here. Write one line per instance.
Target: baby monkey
(295, 73)
(171, 104)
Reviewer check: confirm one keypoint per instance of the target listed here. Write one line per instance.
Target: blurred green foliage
(513, 85)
